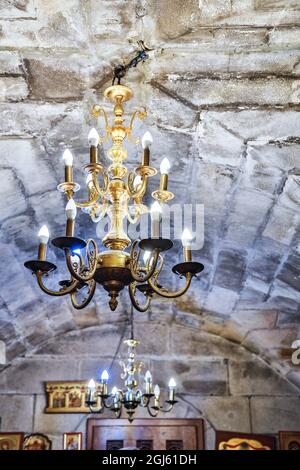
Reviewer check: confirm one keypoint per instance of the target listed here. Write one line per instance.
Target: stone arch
(219, 380)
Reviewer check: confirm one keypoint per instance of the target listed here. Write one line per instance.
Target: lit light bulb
(172, 383)
(148, 376)
(172, 386)
(186, 237)
(68, 158)
(93, 137)
(145, 258)
(71, 210)
(157, 391)
(114, 391)
(165, 166)
(92, 385)
(43, 234)
(147, 140)
(137, 181)
(104, 376)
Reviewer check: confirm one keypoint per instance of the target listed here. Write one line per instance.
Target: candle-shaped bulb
(114, 391)
(147, 140)
(68, 158)
(93, 137)
(43, 234)
(71, 210)
(92, 385)
(148, 376)
(104, 376)
(148, 380)
(172, 383)
(155, 209)
(186, 237)
(165, 166)
(157, 392)
(186, 243)
(172, 386)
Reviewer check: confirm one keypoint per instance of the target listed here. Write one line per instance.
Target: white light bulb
(93, 137)
(104, 376)
(92, 385)
(44, 234)
(71, 209)
(147, 140)
(156, 208)
(145, 258)
(148, 376)
(165, 166)
(172, 383)
(137, 181)
(186, 237)
(157, 391)
(114, 391)
(68, 158)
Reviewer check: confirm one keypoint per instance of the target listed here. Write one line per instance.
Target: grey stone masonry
(222, 90)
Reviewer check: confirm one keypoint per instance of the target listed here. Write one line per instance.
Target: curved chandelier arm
(152, 413)
(87, 299)
(64, 291)
(136, 270)
(140, 113)
(96, 219)
(167, 410)
(96, 410)
(135, 302)
(89, 203)
(171, 295)
(81, 272)
(139, 190)
(101, 191)
(96, 111)
(137, 214)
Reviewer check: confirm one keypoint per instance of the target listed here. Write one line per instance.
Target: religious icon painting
(11, 440)
(72, 441)
(289, 440)
(242, 441)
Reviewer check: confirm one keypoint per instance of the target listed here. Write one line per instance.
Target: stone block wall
(222, 92)
(219, 380)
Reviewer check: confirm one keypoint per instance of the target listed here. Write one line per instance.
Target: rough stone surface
(224, 384)
(222, 93)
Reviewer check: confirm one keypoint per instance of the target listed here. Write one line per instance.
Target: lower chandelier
(131, 396)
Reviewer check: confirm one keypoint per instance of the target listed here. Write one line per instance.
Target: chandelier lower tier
(110, 192)
(131, 397)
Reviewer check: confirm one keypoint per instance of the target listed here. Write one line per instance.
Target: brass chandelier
(110, 192)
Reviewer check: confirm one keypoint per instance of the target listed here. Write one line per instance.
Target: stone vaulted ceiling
(223, 94)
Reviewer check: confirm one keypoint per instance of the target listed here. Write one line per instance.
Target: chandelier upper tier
(110, 191)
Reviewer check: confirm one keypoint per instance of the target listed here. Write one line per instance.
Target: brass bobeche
(109, 192)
